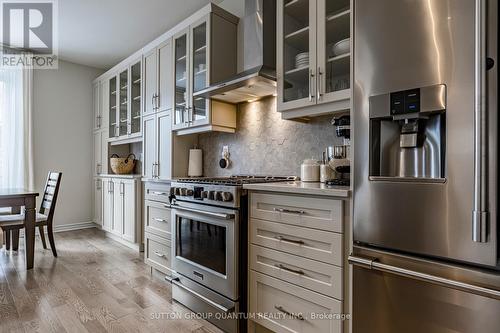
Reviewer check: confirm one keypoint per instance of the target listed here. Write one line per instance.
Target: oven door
(205, 246)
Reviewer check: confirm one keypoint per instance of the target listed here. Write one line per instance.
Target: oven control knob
(227, 196)
(204, 194)
(211, 195)
(219, 196)
(177, 191)
(183, 191)
(190, 193)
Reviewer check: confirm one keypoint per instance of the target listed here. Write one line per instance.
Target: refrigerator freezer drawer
(390, 303)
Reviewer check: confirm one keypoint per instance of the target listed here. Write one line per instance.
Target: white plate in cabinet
(311, 212)
(158, 219)
(314, 275)
(290, 308)
(309, 243)
(157, 253)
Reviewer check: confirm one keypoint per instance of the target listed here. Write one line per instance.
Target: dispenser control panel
(405, 101)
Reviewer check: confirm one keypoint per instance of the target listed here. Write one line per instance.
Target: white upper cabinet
(149, 147)
(313, 66)
(150, 81)
(204, 53)
(158, 79)
(96, 104)
(157, 146)
(124, 93)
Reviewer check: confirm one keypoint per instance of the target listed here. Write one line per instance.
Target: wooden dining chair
(11, 224)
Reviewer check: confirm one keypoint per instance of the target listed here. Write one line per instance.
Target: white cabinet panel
(108, 204)
(150, 81)
(98, 201)
(96, 105)
(165, 78)
(129, 210)
(117, 225)
(149, 147)
(164, 145)
(97, 153)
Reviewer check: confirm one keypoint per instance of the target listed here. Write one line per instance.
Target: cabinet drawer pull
(289, 211)
(158, 193)
(281, 238)
(158, 254)
(160, 220)
(288, 313)
(296, 271)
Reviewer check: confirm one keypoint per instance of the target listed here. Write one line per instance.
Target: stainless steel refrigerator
(426, 254)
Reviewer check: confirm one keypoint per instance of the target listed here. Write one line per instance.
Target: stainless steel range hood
(258, 78)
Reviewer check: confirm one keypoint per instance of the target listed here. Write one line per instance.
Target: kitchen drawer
(157, 192)
(305, 211)
(310, 243)
(289, 308)
(157, 252)
(158, 219)
(314, 275)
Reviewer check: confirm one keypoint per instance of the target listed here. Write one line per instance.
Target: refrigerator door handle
(480, 215)
(373, 263)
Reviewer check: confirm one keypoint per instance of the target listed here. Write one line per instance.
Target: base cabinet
(98, 202)
(157, 227)
(122, 209)
(296, 263)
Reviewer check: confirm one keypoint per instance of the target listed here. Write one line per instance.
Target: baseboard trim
(67, 227)
(74, 226)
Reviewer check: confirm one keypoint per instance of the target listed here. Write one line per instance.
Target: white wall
(63, 123)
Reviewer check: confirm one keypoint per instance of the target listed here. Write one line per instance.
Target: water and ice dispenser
(408, 134)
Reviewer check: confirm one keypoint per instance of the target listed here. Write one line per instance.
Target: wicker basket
(122, 166)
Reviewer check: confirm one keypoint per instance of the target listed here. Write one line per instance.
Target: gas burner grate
(237, 180)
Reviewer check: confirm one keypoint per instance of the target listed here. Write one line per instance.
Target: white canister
(309, 171)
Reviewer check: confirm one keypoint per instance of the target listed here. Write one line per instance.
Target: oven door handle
(203, 298)
(204, 212)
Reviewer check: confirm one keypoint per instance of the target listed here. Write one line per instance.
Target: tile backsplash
(266, 144)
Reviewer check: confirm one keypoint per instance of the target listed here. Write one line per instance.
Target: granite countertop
(156, 180)
(302, 188)
(112, 175)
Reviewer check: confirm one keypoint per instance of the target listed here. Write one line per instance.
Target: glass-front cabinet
(125, 104)
(113, 133)
(199, 63)
(313, 56)
(199, 78)
(135, 98)
(181, 77)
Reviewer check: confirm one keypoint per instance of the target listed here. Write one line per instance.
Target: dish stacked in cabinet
(296, 261)
(157, 226)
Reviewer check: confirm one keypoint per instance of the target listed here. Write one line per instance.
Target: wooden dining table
(15, 197)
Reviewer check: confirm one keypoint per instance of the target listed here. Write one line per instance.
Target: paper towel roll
(195, 168)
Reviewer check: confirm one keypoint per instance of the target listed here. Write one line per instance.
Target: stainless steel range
(209, 246)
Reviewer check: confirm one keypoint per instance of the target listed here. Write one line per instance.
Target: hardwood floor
(95, 285)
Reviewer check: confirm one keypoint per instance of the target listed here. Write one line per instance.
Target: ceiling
(101, 33)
